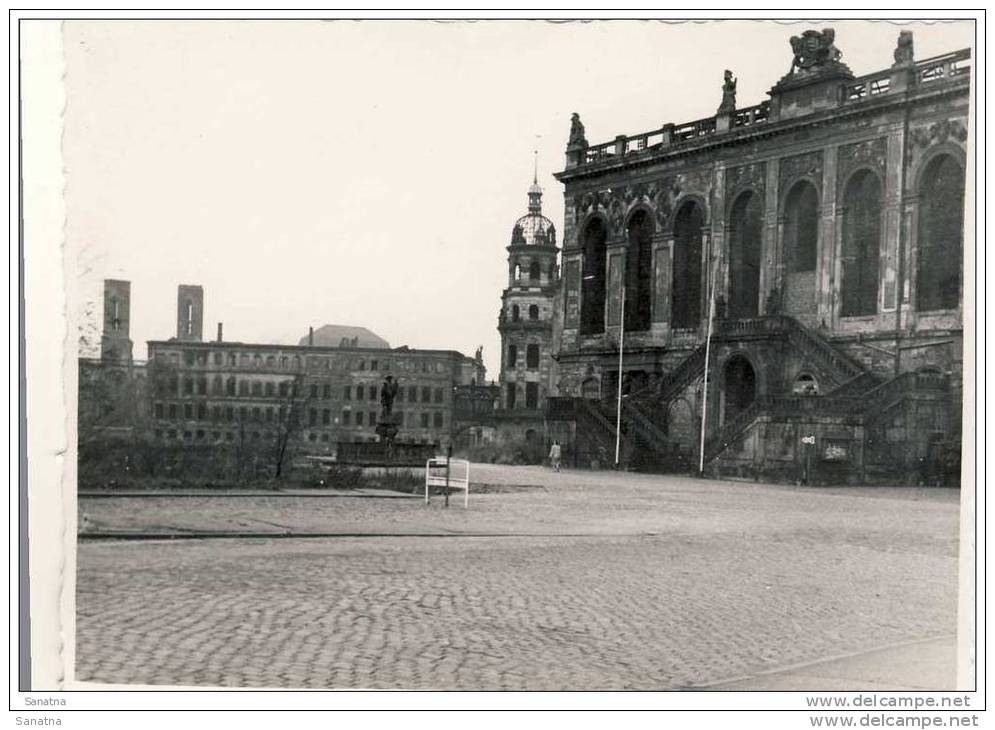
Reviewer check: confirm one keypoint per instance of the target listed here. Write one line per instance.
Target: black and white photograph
(514, 355)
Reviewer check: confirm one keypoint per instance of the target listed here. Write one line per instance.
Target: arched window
(685, 307)
(744, 256)
(217, 385)
(518, 272)
(861, 244)
(590, 389)
(740, 386)
(516, 313)
(512, 357)
(534, 271)
(801, 228)
(532, 356)
(533, 312)
(592, 305)
(806, 384)
(941, 235)
(930, 378)
(639, 273)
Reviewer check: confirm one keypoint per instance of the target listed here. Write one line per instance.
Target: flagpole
(621, 345)
(708, 343)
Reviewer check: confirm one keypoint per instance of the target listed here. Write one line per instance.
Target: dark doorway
(740, 387)
(744, 256)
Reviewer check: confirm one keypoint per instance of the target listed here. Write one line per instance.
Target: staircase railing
(731, 429)
(674, 381)
(830, 405)
(653, 435)
(803, 338)
(881, 398)
(857, 385)
(683, 375)
(591, 409)
(797, 333)
(751, 326)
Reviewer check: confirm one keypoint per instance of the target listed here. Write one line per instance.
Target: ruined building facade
(264, 402)
(828, 223)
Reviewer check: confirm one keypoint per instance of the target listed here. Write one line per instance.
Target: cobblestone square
(576, 581)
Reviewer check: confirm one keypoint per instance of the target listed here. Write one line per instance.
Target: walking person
(554, 455)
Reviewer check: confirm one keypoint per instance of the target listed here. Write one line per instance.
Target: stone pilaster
(615, 268)
(663, 247)
(718, 250)
(910, 270)
(891, 230)
(770, 268)
(571, 291)
(827, 274)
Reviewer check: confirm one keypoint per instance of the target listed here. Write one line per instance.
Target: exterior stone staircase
(858, 407)
(855, 397)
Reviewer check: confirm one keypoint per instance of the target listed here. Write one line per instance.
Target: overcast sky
(369, 173)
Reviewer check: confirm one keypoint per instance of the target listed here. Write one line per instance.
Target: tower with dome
(526, 325)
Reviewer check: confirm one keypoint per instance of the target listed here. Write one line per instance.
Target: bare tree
(290, 422)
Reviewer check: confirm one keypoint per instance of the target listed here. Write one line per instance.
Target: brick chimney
(220, 330)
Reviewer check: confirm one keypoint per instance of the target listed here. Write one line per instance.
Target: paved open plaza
(569, 581)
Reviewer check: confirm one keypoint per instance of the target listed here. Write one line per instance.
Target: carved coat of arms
(813, 48)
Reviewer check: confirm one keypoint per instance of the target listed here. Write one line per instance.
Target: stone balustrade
(949, 65)
(862, 89)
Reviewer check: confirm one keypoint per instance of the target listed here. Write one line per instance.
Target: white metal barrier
(458, 476)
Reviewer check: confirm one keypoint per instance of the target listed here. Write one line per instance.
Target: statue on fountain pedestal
(388, 422)
(388, 392)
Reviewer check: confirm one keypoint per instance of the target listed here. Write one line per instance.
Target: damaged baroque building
(824, 230)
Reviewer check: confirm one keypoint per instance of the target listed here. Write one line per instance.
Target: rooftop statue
(728, 94)
(577, 138)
